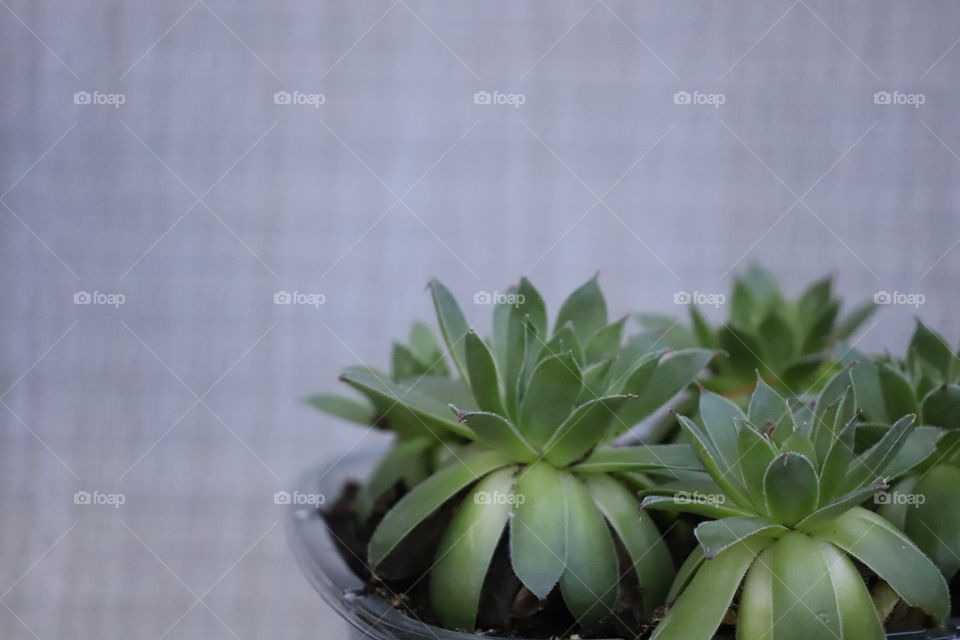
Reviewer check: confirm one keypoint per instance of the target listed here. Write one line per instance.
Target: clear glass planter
(371, 616)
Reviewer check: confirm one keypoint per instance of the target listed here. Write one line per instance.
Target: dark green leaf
(453, 324)
(553, 390)
(605, 343)
(482, 371)
(791, 488)
(586, 309)
(530, 303)
(538, 529)
(498, 433)
(586, 427)
(716, 536)
(643, 457)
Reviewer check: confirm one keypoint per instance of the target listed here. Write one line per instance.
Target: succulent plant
(790, 342)
(537, 476)
(788, 485)
(925, 504)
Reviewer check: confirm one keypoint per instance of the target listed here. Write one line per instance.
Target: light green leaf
(586, 427)
(920, 444)
(407, 410)
(673, 373)
(549, 399)
(873, 462)
(482, 371)
(564, 340)
(643, 457)
(706, 335)
(718, 416)
(404, 364)
(716, 536)
(426, 498)
(858, 617)
(605, 343)
(589, 583)
(453, 324)
(498, 433)
(403, 460)
(898, 396)
(639, 535)
(721, 474)
(686, 573)
(344, 408)
(530, 303)
(767, 407)
(755, 453)
(838, 506)
(892, 556)
(791, 488)
(866, 384)
(704, 603)
(709, 505)
(467, 548)
(538, 529)
(586, 309)
(426, 349)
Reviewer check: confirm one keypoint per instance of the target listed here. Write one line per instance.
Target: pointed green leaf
(873, 463)
(453, 324)
(716, 536)
(892, 556)
(643, 457)
(866, 383)
(755, 453)
(791, 488)
(719, 416)
(426, 349)
(803, 598)
(407, 410)
(929, 348)
(538, 529)
(404, 364)
(934, 522)
(726, 477)
(498, 433)
(553, 390)
(605, 343)
(648, 552)
(595, 381)
(427, 497)
(858, 617)
(586, 309)
(713, 505)
(467, 548)
(483, 376)
(530, 303)
(704, 603)
(589, 583)
(403, 460)
(941, 407)
(743, 350)
(564, 340)
(777, 340)
(767, 407)
(898, 396)
(586, 427)
(838, 506)
(919, 446)
(344, 408)
(673, 373)
(686, 573)
(706, 335)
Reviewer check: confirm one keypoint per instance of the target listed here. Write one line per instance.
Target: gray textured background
(199, 198)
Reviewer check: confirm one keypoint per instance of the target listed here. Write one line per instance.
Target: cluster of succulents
(786, 453)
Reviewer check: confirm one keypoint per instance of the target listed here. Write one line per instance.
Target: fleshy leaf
(892, 556)
(538, 529)
(604, 343)
(639, 535)
(716, 536)
(498, 433)
(426, 498)
(643, 457)
(586, 427)
(484, 380)
(941, 407)
(928, 347)
(718, 416)
(404, 407)
(426, 349)
(530, 303)
(586, 309)
(704, 603)
(467, 548)
(791, 488)
(553, 390)
(453, 324)
(709, 505)
(341, 407)
(934, 523)
(589, 583)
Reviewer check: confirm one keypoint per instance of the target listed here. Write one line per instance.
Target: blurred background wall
(197, 157)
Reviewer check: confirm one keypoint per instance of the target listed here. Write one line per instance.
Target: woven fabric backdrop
(198, 157)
